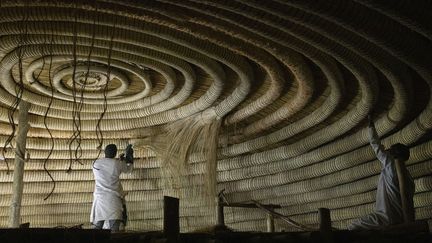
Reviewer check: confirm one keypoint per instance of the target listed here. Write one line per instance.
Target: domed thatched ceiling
(293, 82)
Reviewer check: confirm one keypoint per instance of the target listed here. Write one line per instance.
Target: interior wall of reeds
(281, 88)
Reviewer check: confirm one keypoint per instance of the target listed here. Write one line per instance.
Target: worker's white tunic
(108, 193)
(388, 207)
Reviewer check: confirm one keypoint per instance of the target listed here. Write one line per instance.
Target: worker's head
(110, 151)
(400, 152)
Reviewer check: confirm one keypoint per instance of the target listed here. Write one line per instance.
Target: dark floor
(81, 235)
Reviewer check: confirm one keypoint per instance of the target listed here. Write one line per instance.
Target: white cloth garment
(108, 193)
(388, 206)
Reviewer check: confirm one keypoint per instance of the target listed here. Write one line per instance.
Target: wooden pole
(407, 213)
(429, 224)
(18, 185)
(171, 223)
(220, 212)
(324, 219)
(270, 223)
(325, 225)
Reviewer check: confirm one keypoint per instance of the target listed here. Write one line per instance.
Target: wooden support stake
(324, 219)
(220, 212)
(325, 225)
(18, 174)
(270, 223)
(429, 224)
(171, 223)
(25, 225)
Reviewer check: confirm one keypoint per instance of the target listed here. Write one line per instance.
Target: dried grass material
(197, 135)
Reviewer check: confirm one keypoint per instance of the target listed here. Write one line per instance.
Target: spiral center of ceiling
(89, 81)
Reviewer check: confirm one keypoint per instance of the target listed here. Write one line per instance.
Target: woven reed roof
(293, 80)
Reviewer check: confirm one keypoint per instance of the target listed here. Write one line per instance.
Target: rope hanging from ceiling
(50, 53)
(75, 137)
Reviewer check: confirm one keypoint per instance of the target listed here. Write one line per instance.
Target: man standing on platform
(108, 196)
(395, 192)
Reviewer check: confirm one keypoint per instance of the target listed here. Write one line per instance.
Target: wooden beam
(249, 205)
(282, 217)
(18, 185)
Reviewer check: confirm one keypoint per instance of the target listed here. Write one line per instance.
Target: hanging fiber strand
(78, 150)
(75, 126)
(46, 115)
(99, 133)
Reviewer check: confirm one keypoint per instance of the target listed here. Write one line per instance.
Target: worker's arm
(375, 143)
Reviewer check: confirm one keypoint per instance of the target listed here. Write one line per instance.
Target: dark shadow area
(48, 235)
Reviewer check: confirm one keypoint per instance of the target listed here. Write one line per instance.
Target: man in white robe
(388, 207)
(108, 195)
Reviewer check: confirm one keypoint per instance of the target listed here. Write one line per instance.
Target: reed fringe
(196, 135)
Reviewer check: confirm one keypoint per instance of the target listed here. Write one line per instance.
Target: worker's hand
(129, 154)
